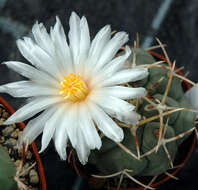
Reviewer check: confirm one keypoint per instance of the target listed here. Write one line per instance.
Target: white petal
(116, 64)
(82, 149)
(81, 132)
(31, 72)
(83, 146)
(98, 43)
(37, 56)
(50, 127)
(125, 92)
(118, 109)
(32, 108)
(42, 38)
(61, 47)
(84, 40)
(192, 97)
(111, 48)
(35, 127)
(88, 130)
(61, 137)
(72, 124)
(74, 36)
(127, 75)
(110, 69)
(27, 89)
(106, 124)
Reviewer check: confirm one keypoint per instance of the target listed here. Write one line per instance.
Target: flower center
(73, 88)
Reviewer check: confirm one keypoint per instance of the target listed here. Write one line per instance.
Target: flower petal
(32, 108)
(116, 64)
(88, 129)
(27, 89)
(125, 92)
(106, 124)
(50, 127)
(82, 149)
(111, 48)
(42, 38)
(118, 109)
(83, 146)
(74, 36)
(84, 40)
(98, 43)
(127, 75)
(61, 137)
(61, 47)
(37, 56)
(31, 72)
(72, 124)
(35, 127)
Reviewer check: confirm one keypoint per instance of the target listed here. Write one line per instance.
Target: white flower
(76, 86)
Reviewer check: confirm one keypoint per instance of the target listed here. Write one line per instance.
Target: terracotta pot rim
(33, 146)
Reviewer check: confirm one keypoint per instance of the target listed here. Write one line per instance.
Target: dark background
(174, 22)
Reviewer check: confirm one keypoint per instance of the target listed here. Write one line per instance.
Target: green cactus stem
(107, 159)
(158, 162)
(7, 171)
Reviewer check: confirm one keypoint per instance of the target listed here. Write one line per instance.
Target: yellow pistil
(73, 88)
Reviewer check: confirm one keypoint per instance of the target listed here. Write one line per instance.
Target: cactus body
(7, 171)
(111, 158)
(157, 161)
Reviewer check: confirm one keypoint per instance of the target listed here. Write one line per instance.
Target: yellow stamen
(73, 88)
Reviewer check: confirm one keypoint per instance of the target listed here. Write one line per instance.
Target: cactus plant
(150, 147)
(8, 171)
